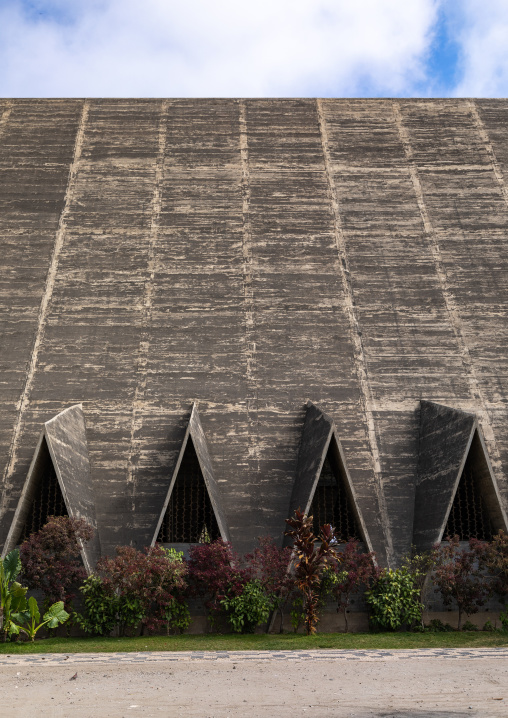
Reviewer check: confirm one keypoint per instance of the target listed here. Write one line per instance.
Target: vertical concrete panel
(467, 210)
(36, 149)
(90, 346)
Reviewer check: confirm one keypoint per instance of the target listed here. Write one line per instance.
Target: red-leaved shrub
(270, 564)
(460, 578)
(356, 570)
(215, 573)
(51, 559)
(145, 584)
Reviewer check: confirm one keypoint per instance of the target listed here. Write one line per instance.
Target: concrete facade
(250, 256)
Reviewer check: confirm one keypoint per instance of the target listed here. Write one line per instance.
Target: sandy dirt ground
(403, 688)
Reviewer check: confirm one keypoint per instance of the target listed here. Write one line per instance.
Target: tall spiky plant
(310, 562)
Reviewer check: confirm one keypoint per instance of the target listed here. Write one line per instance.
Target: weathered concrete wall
(250, 255)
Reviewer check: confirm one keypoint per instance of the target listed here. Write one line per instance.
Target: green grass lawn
(261, 642)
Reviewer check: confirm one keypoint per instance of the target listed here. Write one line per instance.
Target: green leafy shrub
(503, 617)
(249, 609)
(469, 626)
(101, 607)
(394, 600)
(12, 594)
(437, 626)
(297, 613)
(488, 626)
(177, 612)
(178, 616)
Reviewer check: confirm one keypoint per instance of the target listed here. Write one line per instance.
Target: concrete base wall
(358, 622)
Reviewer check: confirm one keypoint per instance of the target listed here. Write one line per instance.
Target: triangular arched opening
(47, 497)
(332, 503)
(469, 516)
(189, 517)
(457, 492)
(323, 486)
(58, 483)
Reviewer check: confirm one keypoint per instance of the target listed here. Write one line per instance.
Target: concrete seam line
(144, 345)
(449, 299)
(248, 293)
(354, 324)
(24, 398)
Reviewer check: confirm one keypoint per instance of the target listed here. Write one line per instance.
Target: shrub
(215, 574)
(133, 588)
(355, 570)
(460, 578)
(249, 609)
(488, 626)
(297, 613)
(51, 559)
(310, 562)
(493, 557)
(468, 626)
(177, 616)
(271, 566)
(101, 607)
(437, 626)
(12, 594)
(394, 600)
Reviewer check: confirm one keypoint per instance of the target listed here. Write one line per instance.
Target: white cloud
(482, 30)
(218, 48)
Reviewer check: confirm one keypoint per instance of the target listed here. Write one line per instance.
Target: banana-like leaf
(55, 614)
(18, 596)
(21, 617)
(33, 610)
(12, 565)
(13, 629)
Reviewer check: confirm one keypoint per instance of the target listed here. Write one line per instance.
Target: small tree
(460, 578)
(271, 566)
(356, 569)
(310, 562)
(51, 559)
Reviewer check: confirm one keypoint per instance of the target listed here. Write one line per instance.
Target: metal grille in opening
(468, 516)
(331, 503)
(48, 499)
(190, 517)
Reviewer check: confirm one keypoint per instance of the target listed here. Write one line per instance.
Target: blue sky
(277, 48)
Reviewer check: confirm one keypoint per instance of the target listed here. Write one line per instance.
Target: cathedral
(215, 312)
